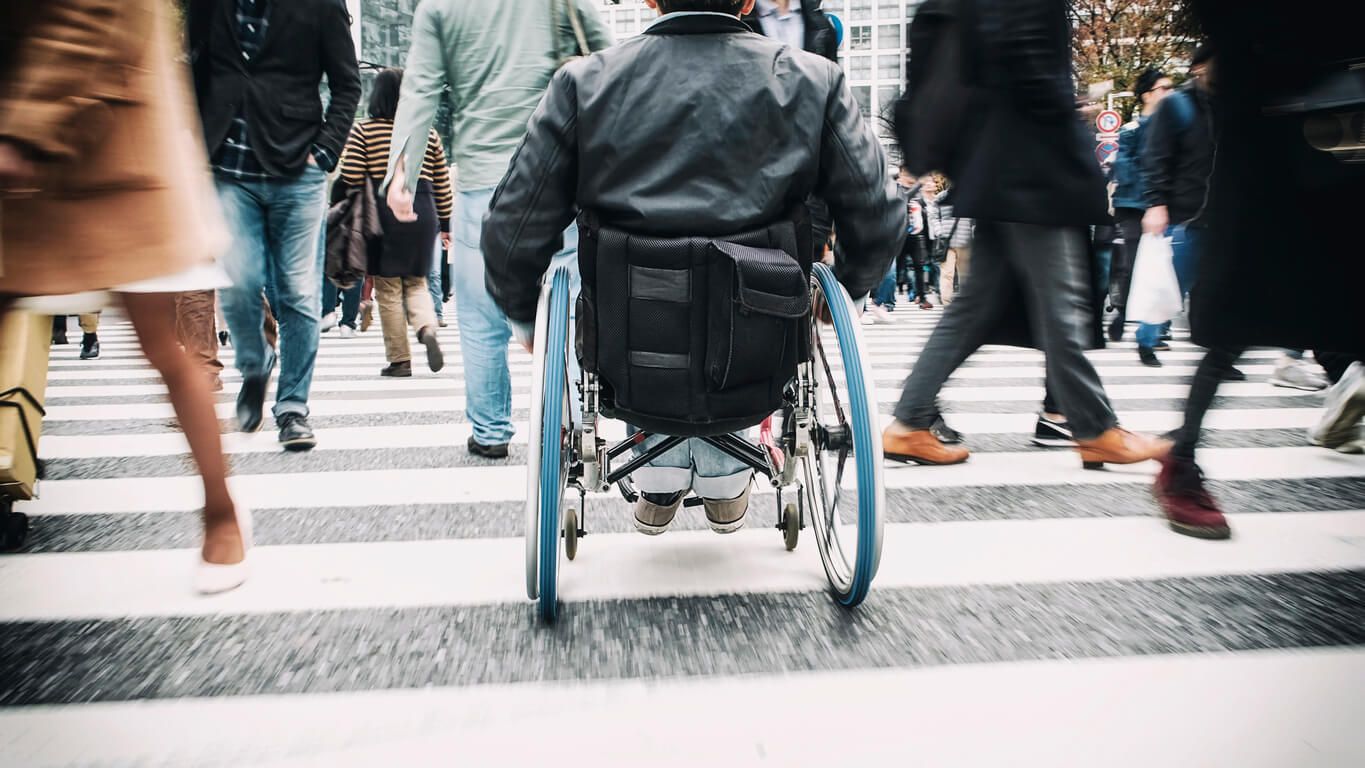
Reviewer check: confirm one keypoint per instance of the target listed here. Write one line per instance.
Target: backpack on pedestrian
(932, 120)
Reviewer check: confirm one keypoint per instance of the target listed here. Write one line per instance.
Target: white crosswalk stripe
(386, 622)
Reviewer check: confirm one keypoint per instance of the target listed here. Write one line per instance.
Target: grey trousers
(1050, 265)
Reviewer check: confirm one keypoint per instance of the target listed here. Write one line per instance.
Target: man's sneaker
(1116, 328)
(295, 434)
(1188, 507)
(1053, 434)
(1339, 427)
(329, 321)
(1234, 374)
(90, 346)
(435, 358)
(1148, 357)
(654, 512)
(223, 338)
(346, 332)
(945, 434)
(727, 515)
(400, 370)
(1293, 374)
(497, 451)
(879, 314)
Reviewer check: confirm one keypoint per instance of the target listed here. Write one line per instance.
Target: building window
(889, 67)
(886, 96)
(863, 94)
(860, 67)
(860, 38)
(625, 24)
(889, 36)
(833, 6)
(889, 9)
(859, 10)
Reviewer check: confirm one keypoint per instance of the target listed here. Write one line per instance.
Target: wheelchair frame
(575, 457)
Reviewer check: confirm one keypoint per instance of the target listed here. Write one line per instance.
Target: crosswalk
(1026, 611)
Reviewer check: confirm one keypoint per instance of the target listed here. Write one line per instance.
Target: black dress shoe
(498, 451)
(295, 434)
(223, 338)
(251, 400)
(1234, 374)
(435, 359)
(1116, 329)
(90, 346)
(1148, 357)
(59, 330)
(401, 370)
(945, 434)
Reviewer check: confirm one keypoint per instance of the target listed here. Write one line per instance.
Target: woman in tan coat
(104, 187)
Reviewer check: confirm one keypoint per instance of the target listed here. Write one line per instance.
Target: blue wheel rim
(551, 460)
(860, 420)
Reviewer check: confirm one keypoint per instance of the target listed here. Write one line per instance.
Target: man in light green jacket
(497, 56)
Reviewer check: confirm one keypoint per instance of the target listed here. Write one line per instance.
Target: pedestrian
(333, 298)
(494, 98)
(90, 340)
(1129, 195)
(1268, 93)
(958, 239)
(124, 200)
(915, 254)
(664, 83)
(1034, 189)
(258, 67)
(400, 258)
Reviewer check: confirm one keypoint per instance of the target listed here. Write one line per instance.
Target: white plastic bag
(1154, 296)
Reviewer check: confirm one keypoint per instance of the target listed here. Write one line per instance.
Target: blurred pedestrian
(1031, 183)
(1130, 191)
(956, 235)
(104, 184)
(90, 340)
(400, 259)
(495, 97)
(258, 67)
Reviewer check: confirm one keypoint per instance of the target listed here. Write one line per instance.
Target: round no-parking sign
(1109, 121)
(1106, 151)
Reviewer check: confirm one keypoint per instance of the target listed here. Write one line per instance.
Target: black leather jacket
(697, 127)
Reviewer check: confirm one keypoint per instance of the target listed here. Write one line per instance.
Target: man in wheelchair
(689, 155)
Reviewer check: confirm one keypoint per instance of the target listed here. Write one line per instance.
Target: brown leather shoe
(1119, 446)
(919, 446)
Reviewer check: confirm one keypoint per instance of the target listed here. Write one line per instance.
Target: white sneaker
(880, 315)
(346, 332)
(1339, 428)
(329, 321)
(1294, 374)
(213, 578)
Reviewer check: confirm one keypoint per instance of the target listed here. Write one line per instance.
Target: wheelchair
(819, 446)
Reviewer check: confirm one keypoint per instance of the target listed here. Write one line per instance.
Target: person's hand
(525, 334)
(17, 171)
(1156, 220)
(399, 198)
(445, 240)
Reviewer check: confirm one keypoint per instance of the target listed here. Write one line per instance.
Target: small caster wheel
(791, 526)
(570, 533)
(13, 530)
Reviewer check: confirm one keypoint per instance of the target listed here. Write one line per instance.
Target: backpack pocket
(757, 300)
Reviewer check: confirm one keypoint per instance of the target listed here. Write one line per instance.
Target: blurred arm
(423, 81)
(534, 203)
(343, 83)
(1030, 43)
(1158, 154)
(868, 214)
(594, 28)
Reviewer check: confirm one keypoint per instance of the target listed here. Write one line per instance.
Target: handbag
(351, 224)
(1154, 296)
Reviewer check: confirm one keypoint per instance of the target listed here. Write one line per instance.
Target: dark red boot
(1186, 503)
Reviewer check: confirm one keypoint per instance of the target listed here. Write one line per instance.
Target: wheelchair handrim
(534, 440)
(551, 448)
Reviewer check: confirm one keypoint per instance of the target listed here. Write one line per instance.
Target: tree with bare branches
(1117, 39)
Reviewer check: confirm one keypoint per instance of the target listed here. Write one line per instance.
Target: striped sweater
(367, 157)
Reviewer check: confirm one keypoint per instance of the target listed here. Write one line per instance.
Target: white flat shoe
(213, 578)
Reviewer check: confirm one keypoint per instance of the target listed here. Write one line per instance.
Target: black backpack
(931, 121)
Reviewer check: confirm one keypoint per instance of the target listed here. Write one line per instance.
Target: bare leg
(153, 316)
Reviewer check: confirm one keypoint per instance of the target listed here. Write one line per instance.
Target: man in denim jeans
(258, 65)
(496, 96)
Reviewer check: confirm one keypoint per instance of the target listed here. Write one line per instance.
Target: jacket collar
(696, 24)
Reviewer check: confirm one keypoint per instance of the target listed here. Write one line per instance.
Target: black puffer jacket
(696, 128)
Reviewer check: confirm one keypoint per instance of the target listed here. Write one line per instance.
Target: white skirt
(205, 277)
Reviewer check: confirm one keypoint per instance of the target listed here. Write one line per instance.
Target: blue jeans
(695, 465)
(484, 328)
(274, 226)
(885, 294)
(434, 282)
(331, 295)
(1186, 245)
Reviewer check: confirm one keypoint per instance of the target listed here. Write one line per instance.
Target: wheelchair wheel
(841, 475)
(550, 435)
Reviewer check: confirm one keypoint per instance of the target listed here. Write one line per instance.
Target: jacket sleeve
(1028, 42)
(355, 159)
(534, 203)
(423, 81)
(868, 214)
(343, 77)
(48, 89)
(439, 170)
(1158, 155)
